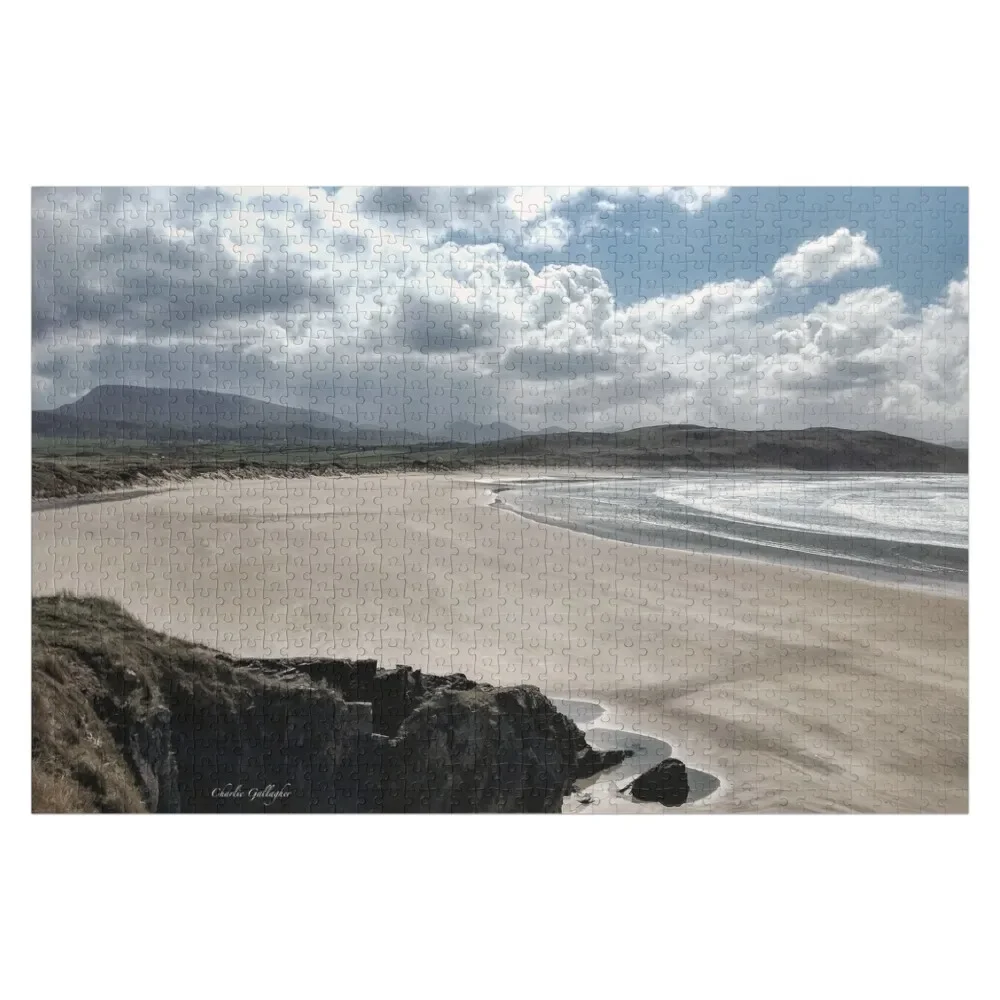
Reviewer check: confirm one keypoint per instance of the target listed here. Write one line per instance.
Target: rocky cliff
(125, 719)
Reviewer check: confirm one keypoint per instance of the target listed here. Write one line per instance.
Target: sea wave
(933, 509)
(884, 526)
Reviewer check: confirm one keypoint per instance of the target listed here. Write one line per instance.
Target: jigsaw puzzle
(581, 500)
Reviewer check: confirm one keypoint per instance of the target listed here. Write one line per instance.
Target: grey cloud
(113, 268)
(544, 365)
(834, 376)
(275, 294)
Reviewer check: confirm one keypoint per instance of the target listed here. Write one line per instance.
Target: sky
(582, 308)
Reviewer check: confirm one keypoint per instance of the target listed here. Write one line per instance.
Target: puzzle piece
(501, 499)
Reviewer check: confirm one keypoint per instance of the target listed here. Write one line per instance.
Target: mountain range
(135, 414)
(199, 416)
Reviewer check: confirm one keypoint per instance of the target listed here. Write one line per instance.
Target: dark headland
(126, 719)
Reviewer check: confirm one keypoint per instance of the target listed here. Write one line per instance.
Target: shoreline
(84, 499)
(602, 793)
(169, 482)
(800, 560)
(800, 691)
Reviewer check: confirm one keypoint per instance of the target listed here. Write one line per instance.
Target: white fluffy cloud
(823, 259)
(546, 235)
(365, 300)
(694, 199)
(691, 199)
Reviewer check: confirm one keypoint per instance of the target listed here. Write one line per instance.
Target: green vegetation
(63, 468)
(120, 436)
(85, 653)
(66, 467)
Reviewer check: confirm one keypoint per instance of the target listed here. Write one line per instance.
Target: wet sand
(797, 690)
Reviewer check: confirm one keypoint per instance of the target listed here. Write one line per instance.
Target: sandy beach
(797, 690)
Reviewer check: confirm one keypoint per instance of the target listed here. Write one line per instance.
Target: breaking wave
(882, 526)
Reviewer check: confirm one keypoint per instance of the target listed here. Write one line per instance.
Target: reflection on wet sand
(647, 752)
(603, 791)
(581, 712)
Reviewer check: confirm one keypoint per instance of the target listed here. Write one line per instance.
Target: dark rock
(481, 750)
(354, 679)
(666, 783)
(151, 755)
(429, 750)
(128, 719)
(590, 760)
(303, 743)
(396, 693)
(452, 682)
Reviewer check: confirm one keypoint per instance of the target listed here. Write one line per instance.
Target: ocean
(891, 527)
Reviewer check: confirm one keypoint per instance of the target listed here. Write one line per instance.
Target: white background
(492, 94)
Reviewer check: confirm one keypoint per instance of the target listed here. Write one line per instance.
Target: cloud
(823, 259)
(694, 199)
(365, 301)
(546, 235)
(691, 199)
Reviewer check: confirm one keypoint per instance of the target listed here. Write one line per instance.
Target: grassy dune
(126, 719)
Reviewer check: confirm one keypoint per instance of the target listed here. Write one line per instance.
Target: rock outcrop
(126, 719)
(481, 750)
(448, 744)
(665, 783)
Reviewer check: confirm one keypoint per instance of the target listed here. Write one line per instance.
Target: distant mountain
(139, 413)
(466, 432)
(690, 446)
(116, 413)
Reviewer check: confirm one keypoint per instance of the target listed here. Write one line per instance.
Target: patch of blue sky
(647, 246)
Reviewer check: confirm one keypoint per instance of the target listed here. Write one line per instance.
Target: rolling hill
(117, 415)
(691, 446)
(467, 432)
